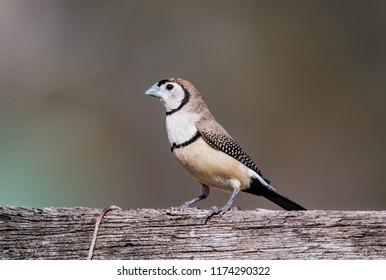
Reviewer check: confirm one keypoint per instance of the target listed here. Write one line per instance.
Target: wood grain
(65, 233)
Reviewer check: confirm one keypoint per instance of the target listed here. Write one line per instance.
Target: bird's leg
(225, 208)
(204, 194)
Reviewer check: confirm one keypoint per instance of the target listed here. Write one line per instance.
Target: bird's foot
(216, 211)
(182, 207)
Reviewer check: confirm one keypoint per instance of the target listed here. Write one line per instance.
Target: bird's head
(173, 92)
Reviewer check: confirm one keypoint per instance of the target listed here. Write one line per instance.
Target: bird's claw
(216, 211)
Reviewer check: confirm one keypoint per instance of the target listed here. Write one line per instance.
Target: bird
(207, 151)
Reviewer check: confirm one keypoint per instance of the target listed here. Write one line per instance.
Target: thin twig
(97, 223)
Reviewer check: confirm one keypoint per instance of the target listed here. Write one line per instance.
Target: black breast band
(186, 143)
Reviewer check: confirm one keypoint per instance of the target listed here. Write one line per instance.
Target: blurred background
(301, 85)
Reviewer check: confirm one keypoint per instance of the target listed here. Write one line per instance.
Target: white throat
(181, 126)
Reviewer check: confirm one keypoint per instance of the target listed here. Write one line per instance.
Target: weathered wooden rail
(65, 233)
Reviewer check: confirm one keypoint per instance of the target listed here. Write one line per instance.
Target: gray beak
(153, 91)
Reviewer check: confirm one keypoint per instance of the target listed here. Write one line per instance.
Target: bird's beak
(153, 91)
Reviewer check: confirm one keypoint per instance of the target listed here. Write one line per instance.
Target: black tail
(270, 193)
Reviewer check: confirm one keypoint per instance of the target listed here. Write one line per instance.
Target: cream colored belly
(212, 167)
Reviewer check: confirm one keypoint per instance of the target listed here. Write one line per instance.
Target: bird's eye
(169, 86)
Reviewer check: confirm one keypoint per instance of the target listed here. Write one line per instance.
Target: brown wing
(225, 143)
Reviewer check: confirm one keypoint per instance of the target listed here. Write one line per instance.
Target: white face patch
(172, 95)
